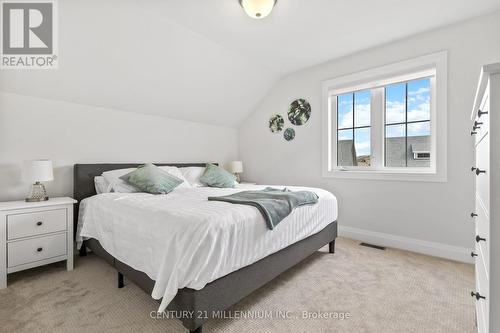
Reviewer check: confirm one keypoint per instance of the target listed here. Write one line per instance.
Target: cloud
(395, 131)
(345, 135)
(363, 147)
(419, 129)
(419, 91)
(418, 107)
(421, 112)
(395, 112)
(362, 116)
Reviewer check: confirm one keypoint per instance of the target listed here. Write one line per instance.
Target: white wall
(133, 58)
(419, 213)
(71, 133)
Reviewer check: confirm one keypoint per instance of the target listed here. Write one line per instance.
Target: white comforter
(183, 240)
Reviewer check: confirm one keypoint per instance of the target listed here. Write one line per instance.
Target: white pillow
(174, 171)
(192, 175)
(118, 185)
(101, 185)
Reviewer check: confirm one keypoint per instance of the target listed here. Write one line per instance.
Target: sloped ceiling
(205, 60)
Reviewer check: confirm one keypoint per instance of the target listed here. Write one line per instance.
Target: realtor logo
(28, 35)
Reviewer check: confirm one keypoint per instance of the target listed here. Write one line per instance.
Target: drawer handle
(40, 249)
(477, 124)
(473, 133)
(39, 223)
(473, 215)
(478, 239)
(472, 254)
(477, 295)
(475, 127)
(480, 113)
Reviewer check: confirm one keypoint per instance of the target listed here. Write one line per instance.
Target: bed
(221, 254)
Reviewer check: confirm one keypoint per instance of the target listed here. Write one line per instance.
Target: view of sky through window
(418, 108)
(407, 123)
(353, 112)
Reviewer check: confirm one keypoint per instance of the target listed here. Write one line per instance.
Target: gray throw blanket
(274, 204)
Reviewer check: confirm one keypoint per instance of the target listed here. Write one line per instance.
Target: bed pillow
(174, 171)
(117, 184)
(151, 179)
(102, 185)
(121, 186)
(193, 175)
(215, 176)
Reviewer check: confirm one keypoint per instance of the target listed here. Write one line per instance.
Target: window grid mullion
(385, 127)
(406, 123)
(337, 131)
(354, 126)
(376, 127)
(358, 127)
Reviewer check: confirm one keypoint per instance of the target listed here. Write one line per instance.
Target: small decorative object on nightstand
(235, 167)
(35, 234)
(38, 171)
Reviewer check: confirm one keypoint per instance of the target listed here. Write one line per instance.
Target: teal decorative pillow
(215, 176)
(151, 179)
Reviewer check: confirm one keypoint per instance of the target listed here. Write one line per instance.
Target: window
(408, 123)
(387, 123)
(353, 129)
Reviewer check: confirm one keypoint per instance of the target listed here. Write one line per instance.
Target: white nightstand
(34, 234)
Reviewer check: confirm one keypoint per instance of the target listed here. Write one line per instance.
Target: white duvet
(183, 240)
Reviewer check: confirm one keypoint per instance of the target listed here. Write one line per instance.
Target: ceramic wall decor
(276, 123)
(289, 134)
(299, 112)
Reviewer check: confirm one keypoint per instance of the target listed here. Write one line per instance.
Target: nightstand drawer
(37, 223)
(35, 249)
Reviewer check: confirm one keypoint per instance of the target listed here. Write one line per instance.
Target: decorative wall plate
(276, 123)
(289, 134)
(299, 112)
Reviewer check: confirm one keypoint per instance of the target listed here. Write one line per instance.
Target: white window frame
(434, 65)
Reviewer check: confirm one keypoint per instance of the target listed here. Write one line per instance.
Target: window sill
(391, 175)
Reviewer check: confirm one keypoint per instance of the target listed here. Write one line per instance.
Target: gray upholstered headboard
(83, 181)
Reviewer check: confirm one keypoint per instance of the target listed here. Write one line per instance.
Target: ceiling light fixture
(257, 9)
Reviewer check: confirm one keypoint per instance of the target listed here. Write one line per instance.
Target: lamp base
(38, 193)
(36, 199)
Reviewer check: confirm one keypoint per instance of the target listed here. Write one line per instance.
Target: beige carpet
(382, 291)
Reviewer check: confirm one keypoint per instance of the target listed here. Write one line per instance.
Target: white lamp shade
(257, 9)
(235, 167)
(38, 171)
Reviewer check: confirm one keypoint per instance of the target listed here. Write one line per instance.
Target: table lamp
(236, 167)
(38, 171)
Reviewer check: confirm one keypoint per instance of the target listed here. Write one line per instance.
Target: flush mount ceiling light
(257, 9)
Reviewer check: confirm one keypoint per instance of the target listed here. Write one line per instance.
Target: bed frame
(217, 295)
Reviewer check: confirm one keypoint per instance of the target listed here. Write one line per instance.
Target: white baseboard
(456, 253)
